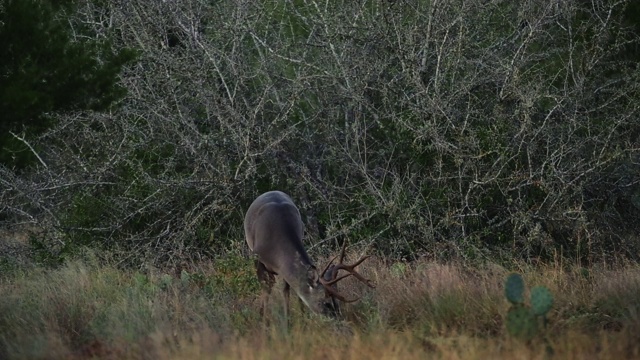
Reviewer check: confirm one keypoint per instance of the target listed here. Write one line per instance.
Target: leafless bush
(421, 128)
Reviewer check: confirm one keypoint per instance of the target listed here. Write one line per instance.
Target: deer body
(274, 230)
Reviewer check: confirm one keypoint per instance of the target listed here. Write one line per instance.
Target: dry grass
(419, 310)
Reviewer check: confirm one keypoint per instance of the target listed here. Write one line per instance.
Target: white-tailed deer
(273, 230)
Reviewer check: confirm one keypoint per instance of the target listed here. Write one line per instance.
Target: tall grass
(422, 309)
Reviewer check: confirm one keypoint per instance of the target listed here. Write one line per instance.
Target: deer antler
(351, 269)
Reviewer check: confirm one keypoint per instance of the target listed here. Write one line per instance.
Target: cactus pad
(514, 289)
(541, 300)
(521, 322)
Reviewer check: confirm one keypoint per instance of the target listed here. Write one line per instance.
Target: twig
(30, 147)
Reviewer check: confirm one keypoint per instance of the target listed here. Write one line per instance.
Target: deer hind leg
(267, 280)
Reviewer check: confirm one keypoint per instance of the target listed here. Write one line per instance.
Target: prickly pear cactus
(523, 320)
(514, 289)
(541, 300)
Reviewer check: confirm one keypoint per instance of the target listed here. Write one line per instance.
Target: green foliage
(289, 17)
(8, 266)
(80, 220)
(234, 274)
(46, 255)
(166, 281)
(523, 321)
(398, 269)
(104, 217)
(45, 68)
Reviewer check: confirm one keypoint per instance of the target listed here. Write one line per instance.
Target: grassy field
(89, 309)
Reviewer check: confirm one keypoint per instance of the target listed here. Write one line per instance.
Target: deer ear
(331, 273)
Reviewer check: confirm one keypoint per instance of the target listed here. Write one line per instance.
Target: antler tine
(328, 265)
(344, 247)
(351, 269)
(335, 279)
(331, 290)
(335, 273)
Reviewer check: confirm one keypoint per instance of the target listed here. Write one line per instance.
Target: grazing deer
(273, 230)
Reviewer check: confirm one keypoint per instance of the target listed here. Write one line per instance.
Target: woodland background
(470, 130)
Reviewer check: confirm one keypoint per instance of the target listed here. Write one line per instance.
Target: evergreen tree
(45, 69)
